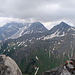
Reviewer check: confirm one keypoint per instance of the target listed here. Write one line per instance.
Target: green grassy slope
(44, 62)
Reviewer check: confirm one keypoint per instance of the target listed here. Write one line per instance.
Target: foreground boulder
(8, 66)
(67, 69)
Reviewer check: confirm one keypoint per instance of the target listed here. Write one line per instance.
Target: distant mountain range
(14, 30)
(33, 46)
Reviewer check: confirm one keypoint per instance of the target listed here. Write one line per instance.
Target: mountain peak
(37, 26)
(37, 23)
(63, 24)
(60, 29)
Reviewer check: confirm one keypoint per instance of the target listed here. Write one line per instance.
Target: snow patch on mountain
(37, 68)
(10, 26)
(73, 28)
(27, 32)
(3, 35)
(53, 48)
(69, 29)
(37, 58)
(56, 34)
(18, 33)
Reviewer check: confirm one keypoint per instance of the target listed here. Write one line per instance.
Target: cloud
(38, 10)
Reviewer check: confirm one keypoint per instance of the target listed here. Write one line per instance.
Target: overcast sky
(49, 12)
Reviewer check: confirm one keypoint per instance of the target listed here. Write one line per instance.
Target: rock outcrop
(8, 66)
(67, 69)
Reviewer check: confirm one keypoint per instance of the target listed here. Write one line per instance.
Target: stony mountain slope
(60, 30)
(42, 51)
(36, 27)
(10, 29)
(15, 30)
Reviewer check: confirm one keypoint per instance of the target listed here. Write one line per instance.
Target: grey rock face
(67, 69)
(55, 71)
(8, 66)
(58, 71)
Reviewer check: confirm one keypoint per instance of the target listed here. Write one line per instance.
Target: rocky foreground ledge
(8, 66)
(67, 69)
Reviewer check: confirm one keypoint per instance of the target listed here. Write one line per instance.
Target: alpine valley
(35, 48)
